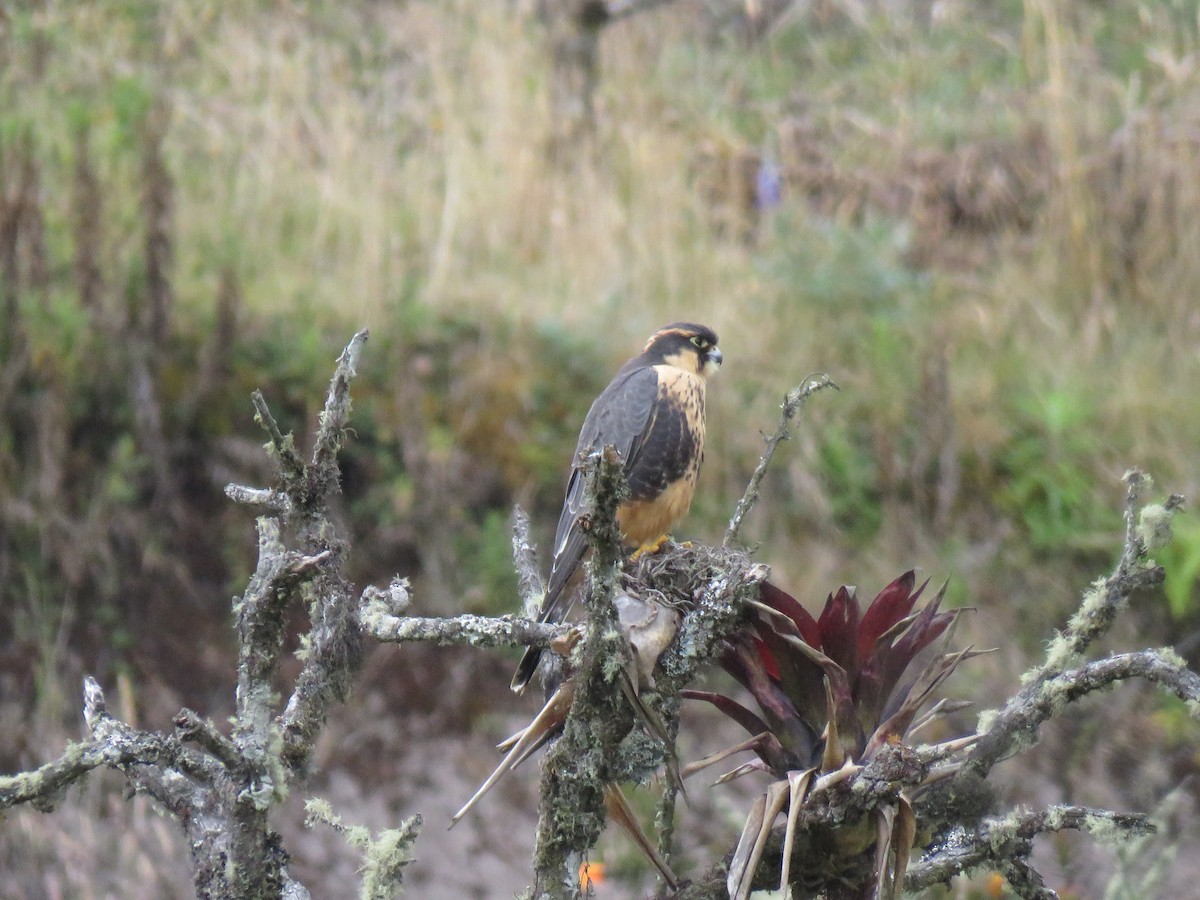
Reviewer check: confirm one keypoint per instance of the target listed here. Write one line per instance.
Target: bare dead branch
(284, 446)
(792, 404)
(336, 413)
(275, 501)
(529, 578)
(476, 631)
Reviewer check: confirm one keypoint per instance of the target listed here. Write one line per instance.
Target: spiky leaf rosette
(831, 691)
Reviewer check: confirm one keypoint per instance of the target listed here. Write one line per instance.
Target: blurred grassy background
(980, 220)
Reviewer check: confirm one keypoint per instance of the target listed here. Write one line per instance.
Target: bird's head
(684, 345)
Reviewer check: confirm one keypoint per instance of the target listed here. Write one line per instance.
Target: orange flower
(590, 875)
(995, 885)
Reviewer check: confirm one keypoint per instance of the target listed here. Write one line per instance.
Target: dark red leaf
(768, 658)
(913, 696)
(788, 605)
(839, 630)
(801, 679)
(742, 661)
(890, 605)
(744, 717)
(768, 748)
(925, 629)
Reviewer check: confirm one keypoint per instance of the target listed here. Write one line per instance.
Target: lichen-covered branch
(529, 577)
(112, 744)
(221, 789)
(1015, 726)
(581, 763)
(1050, 685)
(476, 631)
(1106, 598)
(1007, 841)
(952, 807)
(323, 471)
(334, 650)
(792, 405)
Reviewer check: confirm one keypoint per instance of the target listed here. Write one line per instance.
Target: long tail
(525, 669)
(529, 662)
(554, 609)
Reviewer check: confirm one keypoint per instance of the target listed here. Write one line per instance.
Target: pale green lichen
(319, 810)
(304, 649)
(1054, 693)
(1002, 830)
(260, 793)
(987, 718)
(1055, 818)
(1105, 830)
(1154, 526)
(1094, 601)
(384, 857)
(357, 836)
(1169, 657)
(1059, 655)
(277, 772)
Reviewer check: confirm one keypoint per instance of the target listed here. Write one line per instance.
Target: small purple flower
(768, 184)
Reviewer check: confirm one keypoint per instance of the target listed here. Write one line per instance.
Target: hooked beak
(713, 361)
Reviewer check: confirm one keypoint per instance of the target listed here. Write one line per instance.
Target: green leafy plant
(1181, 558)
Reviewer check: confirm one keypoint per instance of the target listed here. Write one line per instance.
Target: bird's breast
(663, 479)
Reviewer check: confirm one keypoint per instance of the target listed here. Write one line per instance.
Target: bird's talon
(649, 547)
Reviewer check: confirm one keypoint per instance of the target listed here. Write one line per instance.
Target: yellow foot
(650, 547)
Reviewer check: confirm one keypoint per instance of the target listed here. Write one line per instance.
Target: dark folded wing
(620, 417)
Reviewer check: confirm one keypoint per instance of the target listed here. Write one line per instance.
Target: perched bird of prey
(652, 412)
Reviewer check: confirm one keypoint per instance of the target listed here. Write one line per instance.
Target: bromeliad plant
(829, 694)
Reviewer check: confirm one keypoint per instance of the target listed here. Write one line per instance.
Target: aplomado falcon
(652, 412)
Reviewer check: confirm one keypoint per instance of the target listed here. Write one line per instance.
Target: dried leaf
(884, 817)
(904, 835)
(798, 782)
(528, 740)
(745, 848)
(754, 839)
(745, 768)
(620, 812)
(755, 743)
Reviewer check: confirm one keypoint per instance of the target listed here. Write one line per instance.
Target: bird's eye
(699, 342)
